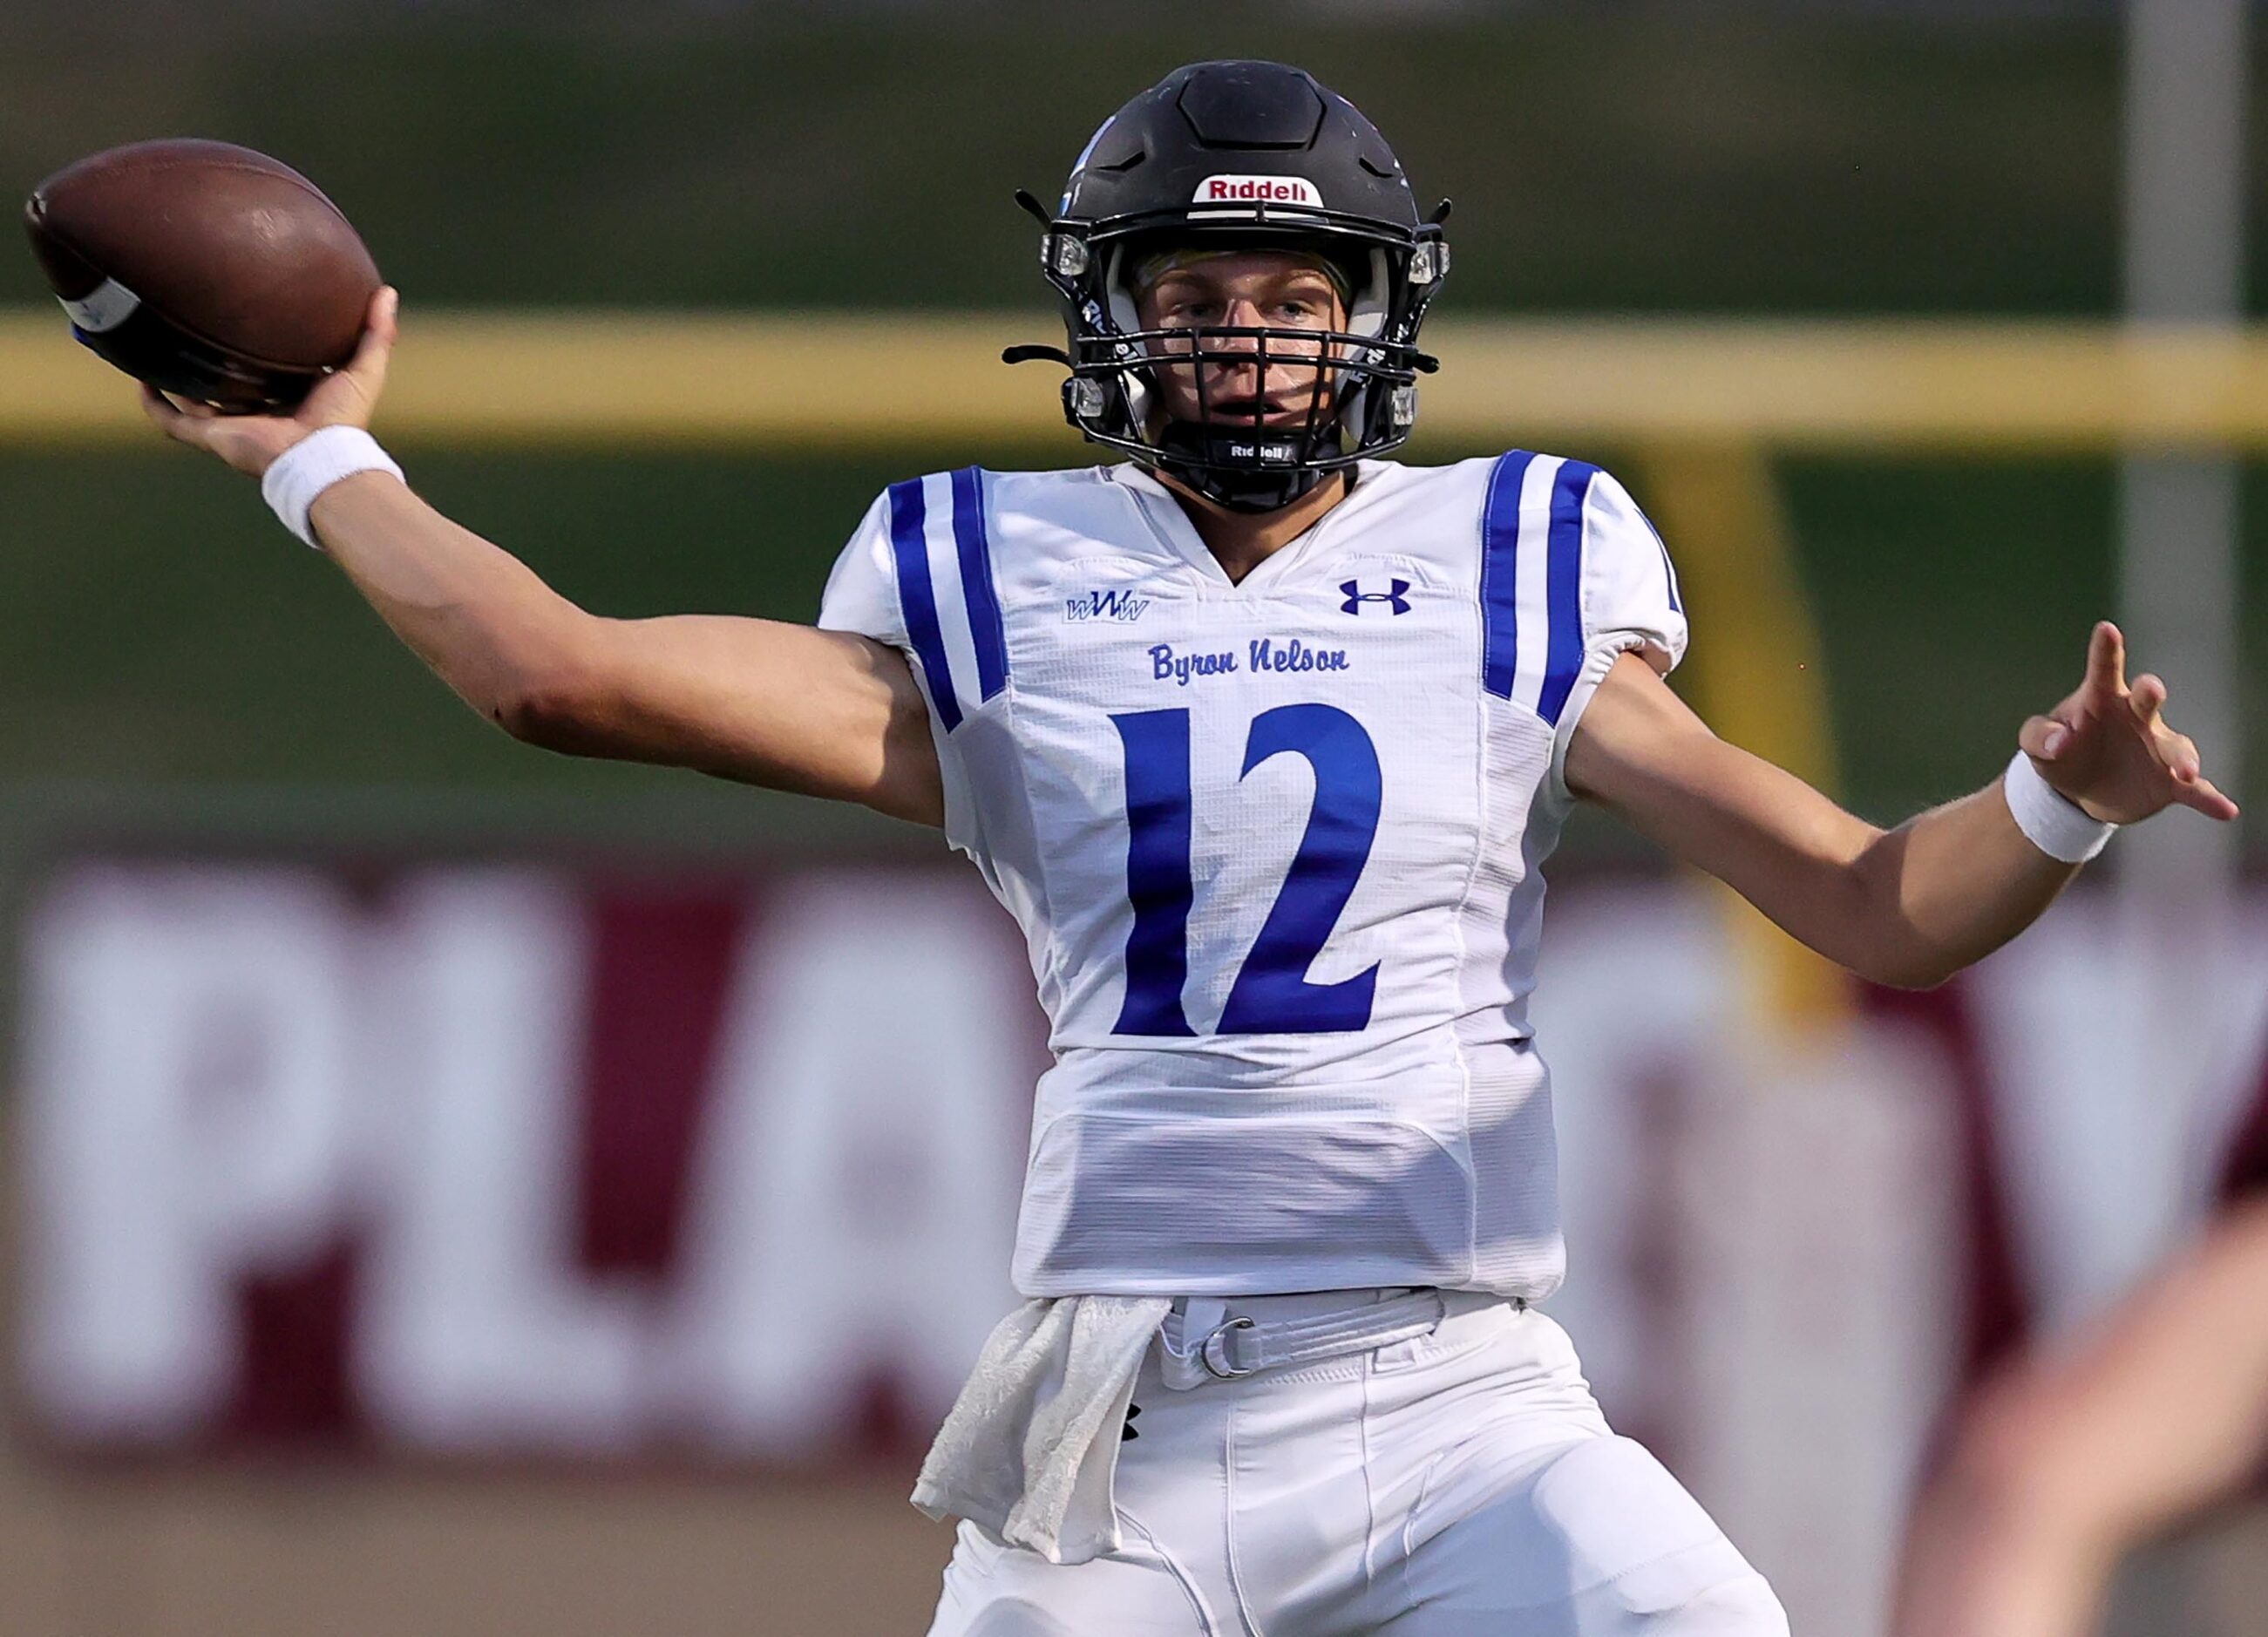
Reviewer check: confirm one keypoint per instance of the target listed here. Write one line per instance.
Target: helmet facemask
(1249, 416)
(1357, 398)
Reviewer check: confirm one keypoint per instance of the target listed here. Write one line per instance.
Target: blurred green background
(158, 633)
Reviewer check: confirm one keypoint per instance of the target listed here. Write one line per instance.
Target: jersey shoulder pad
(918, 574)
(1572, 574)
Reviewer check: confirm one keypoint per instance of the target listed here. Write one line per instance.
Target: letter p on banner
(169, 1159)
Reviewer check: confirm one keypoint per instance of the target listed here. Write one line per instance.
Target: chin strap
(1224, 468)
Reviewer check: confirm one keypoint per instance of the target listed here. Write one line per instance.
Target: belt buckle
(1213, 1355)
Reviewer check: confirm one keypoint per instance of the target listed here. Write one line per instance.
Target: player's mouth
(1275, 411)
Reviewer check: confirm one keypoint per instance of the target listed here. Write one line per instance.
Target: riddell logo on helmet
(1257, 191)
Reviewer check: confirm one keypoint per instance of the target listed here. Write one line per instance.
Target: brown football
(209, 270)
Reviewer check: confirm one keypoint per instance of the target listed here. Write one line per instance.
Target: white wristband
(2051, 821)
(323, 457)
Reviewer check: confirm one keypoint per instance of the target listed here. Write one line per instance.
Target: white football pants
(1462, 1484)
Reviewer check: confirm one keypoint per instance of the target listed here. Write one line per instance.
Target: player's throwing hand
(2108, 748)
(250, 442)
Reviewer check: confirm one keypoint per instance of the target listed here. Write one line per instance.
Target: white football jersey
(1275, 846)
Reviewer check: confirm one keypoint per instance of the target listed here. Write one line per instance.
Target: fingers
(2200, 795)
(2147, 697)
(2179, 753)
(2106, 661)
(182, 422)
(380, 330)
(162, 415)
(2043, 738)
(350, 396)
(2192, 788)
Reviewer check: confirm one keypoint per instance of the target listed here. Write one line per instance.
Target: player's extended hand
(250, 442)
(2108, 748)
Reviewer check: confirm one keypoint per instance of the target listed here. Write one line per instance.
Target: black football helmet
(1232, 156)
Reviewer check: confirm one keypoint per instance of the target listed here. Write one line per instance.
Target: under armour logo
(1397, 594)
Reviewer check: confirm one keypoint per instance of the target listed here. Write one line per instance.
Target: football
(206, 269)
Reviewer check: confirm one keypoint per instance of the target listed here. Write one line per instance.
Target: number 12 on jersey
(1272, 994)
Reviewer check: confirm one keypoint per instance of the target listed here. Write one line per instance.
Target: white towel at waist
(1032, 1443)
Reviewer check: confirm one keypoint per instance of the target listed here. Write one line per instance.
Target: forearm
(482, 619)
(477, 615)
(825, 713)
(1912, 905)
(1908, 906)
(1949, 887)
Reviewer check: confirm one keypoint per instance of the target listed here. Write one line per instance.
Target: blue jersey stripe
(1563, 588)
(1499, 573)
(917, 597)
(985, 627)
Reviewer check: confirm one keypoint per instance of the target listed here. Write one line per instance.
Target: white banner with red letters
(504, 1160)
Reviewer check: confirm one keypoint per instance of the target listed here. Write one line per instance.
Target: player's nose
(1238, 313)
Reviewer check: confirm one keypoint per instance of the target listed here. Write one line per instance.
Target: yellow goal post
(842, 380)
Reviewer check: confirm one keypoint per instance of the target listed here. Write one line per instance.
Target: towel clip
(1214, 1354)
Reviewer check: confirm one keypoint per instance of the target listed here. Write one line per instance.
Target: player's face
(1274, 290)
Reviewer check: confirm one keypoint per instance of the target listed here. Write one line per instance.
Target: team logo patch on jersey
(1257, 191)
(1395, 596)
(1123, 606)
